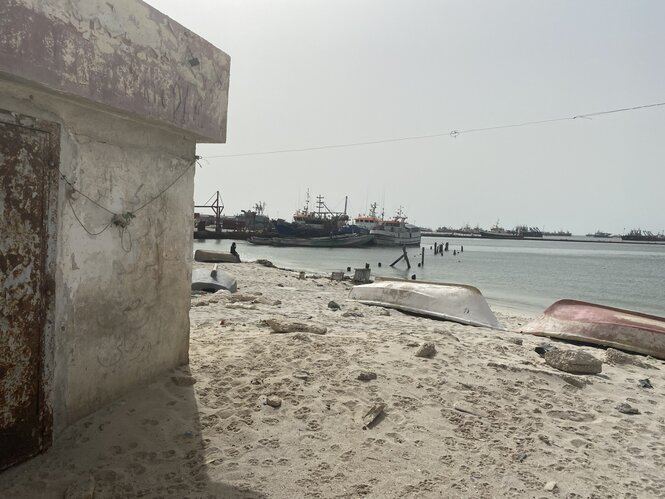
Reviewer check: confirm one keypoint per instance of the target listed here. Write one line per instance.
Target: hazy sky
(308, 73)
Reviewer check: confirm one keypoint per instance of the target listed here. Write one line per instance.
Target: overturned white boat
(580, 321)
(451, 302)
(213, 280)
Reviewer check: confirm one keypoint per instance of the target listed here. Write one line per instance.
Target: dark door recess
(29, 154)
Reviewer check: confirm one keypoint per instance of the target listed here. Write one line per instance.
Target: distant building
(101, 106)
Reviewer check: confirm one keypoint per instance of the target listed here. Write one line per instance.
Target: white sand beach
(485, 417)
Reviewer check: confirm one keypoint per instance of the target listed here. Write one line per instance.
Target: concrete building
(101, 106)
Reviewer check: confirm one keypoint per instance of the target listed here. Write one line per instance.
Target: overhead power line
(452, 133)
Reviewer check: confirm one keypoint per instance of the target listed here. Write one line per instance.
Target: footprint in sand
(578, 442)
(313, 426)
(136, 469)
(272, 443)
(361, 489)
(396, 437)
(233, 427)
(572, 416)
(302, 412)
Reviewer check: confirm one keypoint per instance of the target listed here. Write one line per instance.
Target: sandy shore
(485, 417)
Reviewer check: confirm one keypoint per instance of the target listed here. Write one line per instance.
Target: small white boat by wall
(451, 302)
(213, 280)
(574, 320)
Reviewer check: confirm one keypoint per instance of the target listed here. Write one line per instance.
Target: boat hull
(501, 235)
(601, 325)
(212, 281)
(342, 241)
(451, 302)
(215, 257)
(396, 237)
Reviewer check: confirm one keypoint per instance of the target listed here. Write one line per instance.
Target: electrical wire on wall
(124, 219)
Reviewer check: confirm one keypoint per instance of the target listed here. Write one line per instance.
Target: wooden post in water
(405, 256)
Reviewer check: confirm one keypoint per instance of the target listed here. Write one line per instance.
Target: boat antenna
(306, 208)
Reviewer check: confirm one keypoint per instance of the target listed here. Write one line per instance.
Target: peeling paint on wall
(123, 54)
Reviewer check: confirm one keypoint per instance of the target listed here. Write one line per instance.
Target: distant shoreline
(571, 239)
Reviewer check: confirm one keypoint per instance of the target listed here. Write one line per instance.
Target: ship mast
(217, 207)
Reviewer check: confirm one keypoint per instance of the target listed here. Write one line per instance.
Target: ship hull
(339, 241)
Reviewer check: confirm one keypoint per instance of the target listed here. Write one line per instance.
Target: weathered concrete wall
(121, 302)
(120, 53)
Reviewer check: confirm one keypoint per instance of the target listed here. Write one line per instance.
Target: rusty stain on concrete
(29, 150)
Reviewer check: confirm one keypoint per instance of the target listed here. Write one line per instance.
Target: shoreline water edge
(519, 276)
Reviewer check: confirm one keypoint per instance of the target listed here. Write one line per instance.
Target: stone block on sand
(573, 361)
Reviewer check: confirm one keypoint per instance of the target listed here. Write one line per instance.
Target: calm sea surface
(524, 275)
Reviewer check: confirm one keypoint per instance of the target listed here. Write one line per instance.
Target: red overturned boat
(601, 325)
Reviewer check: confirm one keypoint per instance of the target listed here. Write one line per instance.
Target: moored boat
(599, 233)
(337, 241)
(319, 223)
(602, 325)
(498, 232)
(526, 231)
(452, 302)
(370, 220)
(396, 232)
(640, 235)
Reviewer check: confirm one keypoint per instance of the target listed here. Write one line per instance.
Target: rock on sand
(573, 361)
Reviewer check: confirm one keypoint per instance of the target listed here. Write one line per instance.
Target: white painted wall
(121, 304)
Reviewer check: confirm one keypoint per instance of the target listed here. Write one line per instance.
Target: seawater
(524, 275)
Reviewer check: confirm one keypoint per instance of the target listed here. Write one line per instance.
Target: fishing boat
(396, 232)
(316, 223)
(599, 233)
(527, 231)
(452, 302)
(370, 220)
(640, 235)
(602, 325)
(337, 241)
(498, 232)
